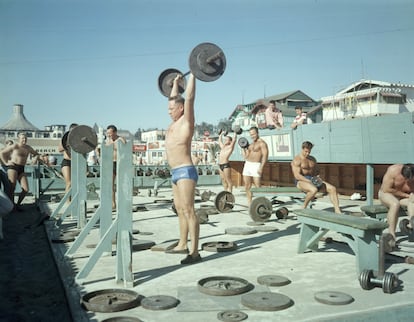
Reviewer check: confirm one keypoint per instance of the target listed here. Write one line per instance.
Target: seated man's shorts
(251, 169)
(185, 172)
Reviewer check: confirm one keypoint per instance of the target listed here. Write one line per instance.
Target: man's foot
(191, 260)
(177, 251)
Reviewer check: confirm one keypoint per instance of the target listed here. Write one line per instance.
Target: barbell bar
(260, 209)
(207, 62)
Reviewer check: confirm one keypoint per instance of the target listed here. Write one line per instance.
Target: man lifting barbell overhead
(305, 171)
(226, 144)
(255, 154)
(184, 173)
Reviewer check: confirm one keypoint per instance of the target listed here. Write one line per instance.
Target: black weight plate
(224, 285)
(404, 226)
(232, 316)
(82, 139)
(201, 67)
(138, 244)
(282, 213)
(243, 142)
(333, 298)
(122, 319)
(219, 246)
(273, 280)
(159, 302)
(165, 81)
(241, 230)
(260, 209)
(266, 301)
(110, 300)
(224, 201)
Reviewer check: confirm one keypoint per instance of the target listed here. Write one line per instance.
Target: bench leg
(365, 250)
(309, 237)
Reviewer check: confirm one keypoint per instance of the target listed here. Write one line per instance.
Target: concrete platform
(332, 268)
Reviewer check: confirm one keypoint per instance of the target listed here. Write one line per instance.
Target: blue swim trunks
(185, 172)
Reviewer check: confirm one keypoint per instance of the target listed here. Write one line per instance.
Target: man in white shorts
(256, 157)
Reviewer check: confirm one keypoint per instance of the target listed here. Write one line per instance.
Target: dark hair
(272, 102)
(254, 128)
(408, 171)
(307, 145)
(177, 99)
(112, 127)
(298, 108)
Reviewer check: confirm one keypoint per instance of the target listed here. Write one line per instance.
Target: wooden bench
(380, 211)
(360, 233)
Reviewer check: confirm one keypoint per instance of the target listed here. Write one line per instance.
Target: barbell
(81, 139)
(207, 63)
(260, 209)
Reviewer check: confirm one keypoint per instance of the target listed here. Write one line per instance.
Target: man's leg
(182, 221)
(393, 205)
(333, 195)
(223, 180)
(247, 187)
(227, 177)
(310, 191)
(25, 188)
(12, 174)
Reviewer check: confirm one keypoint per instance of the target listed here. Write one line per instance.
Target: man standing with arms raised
(226, 149)
(256, 155)
(184, 174)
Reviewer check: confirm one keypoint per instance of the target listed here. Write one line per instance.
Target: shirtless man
(226, 149)
(66, 161)
(305, 170)
(256, 157)
(112, 137)
(15, 158)
(184, 173)
(397, 189)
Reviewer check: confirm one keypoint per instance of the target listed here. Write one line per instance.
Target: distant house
(252, 114)
(368, 98)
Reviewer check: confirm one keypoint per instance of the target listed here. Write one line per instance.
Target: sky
(98, 61)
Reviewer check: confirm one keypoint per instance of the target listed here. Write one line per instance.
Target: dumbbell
(207, 63)
(386, 280)
(238, 130)
(243, 143)
(223, 131)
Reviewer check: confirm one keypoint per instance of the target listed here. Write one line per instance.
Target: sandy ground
(30, 287)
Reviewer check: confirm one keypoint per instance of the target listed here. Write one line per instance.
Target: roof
(369, 83)
(18, 121)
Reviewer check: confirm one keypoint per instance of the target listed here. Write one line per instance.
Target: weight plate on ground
(207, 62)
(241, 230)
(138, 244)
(282, 213)
(110, 300)
(122, 319)
(260, 209)
(159, 302)
(404, 226)
(333, 298)
(224, 285)
(273, 280)
(219, 246)
(224, 201)
(232, 316)
(266, 301)
(266, 229)
(165, 81)
(82, 139)
(365, 279)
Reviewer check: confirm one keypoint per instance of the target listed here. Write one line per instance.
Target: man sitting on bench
(305, 171)
(397, 189)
